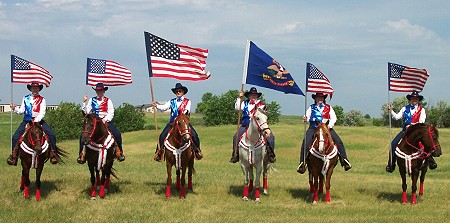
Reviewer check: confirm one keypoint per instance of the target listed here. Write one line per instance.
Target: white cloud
(405, 29)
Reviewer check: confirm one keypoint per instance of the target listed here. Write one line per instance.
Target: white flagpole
(304, 123)
(390, 128)
(244, 79)
(11, 114)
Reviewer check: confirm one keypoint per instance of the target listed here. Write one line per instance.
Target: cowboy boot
(301, 169)
(12, 159)
(234, 156)
(345, 163)
(431, 163)
(159, 154)
(271, 155)
(119, 154)
(53, 158)
(390, 167)
(198, 153)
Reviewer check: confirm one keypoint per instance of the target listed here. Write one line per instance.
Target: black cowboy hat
(100, 86)
(252, 91)
(35, 84)
(414, 94)
(179, 86)
(319, 94)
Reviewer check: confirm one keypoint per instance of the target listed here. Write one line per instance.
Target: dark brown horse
(321, 161)
(34, 152)
(419, 142)
(99, 147)
(179, 153)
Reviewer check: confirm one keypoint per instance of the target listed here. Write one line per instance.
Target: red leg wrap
(38, 194)
(183, 192)
(265, 183)
(421, 189)
(404, 198)
(257, 195)
(245, 191)
(93, 193)
(26, 194)
(102, 191)
(327, 196)
(316, 195)
(413, 198)
(178, 183)
(168, 191)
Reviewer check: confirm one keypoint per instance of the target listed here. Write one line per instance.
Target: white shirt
(250, 106)
(399, 115)
(38, 116)
(332, 119)
(166, 106)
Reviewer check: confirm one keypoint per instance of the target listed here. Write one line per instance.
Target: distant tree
(339, 114)
(205, 99)
(436, 114)
(354, 118)
(66, 120)
(273, 112)
(447, 117)
(377, 121)
(128, 119)
(367, 116)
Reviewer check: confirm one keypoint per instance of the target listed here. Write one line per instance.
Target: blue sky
(350, 41)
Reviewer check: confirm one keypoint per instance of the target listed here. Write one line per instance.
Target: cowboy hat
(179, 86)
(100, 86)
(252, 91)
(319, 94)
(35, 84)
(414, 94)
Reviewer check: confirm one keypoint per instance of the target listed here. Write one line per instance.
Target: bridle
(91, 133)
(184, 130)
(421, 147)
(30, 138)
(260, 129)
(325, 140)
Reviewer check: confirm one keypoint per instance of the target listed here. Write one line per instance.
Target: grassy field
(366, 193)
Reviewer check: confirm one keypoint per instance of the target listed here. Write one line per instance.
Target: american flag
(317, 81)
(406, 79)
(25, 72)
(107, 72)
(171, 60)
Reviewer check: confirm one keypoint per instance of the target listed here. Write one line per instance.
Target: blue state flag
(264, 71)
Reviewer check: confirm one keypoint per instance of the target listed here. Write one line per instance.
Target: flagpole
(390, 128)
(244, 77)
(154, 112)
(304, 123)
(11, 115)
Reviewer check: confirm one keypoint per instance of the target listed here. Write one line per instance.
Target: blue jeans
(395, 141)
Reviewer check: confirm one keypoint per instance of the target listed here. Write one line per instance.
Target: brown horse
(34, 152)
(321, 161)
(179, 153)
(419, 142)
(99, 147)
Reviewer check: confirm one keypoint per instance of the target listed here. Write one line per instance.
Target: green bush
(66, 120)
(128, 119)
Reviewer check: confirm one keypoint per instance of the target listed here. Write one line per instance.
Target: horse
(99, 149)
(419, 142)
(179, 153)
(252, 153)
(34, 152)
(322, 159)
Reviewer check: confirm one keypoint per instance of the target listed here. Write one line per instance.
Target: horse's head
(259, 118)
(35, 137)
(181, 125)
(425, 138)
(93, 129)
(322, 139)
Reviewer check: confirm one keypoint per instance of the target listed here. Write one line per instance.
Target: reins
(91, 133)
(420, 147)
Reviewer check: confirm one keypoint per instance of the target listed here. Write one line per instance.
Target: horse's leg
(404, 185)
(92, 172)
(244, 166)
(177, 185)
(259, 167)
(265, 173)
(316, 188)
(251, 178)
(190, 172)
(422, 180)
(321, 177)
(26, 176)
(414, 178)
(101, 192)
(328, 184)
(311, 184)
(97, 179)
(169, 177)
(38, 178)
(183, 181)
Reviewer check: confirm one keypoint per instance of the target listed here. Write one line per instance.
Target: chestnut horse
(34, 152)
(252, 153)
(321, 161)
(179, 153)
(99, 148)
(419, 142)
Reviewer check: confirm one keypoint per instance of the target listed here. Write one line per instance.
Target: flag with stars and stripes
(25, 72)
(406, 79)
(316, 81)
(108, 72)
(173, 60)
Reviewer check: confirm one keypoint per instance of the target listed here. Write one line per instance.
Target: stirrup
(121, 157)
(390, 168)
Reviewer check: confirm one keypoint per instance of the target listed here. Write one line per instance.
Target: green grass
(364, 194)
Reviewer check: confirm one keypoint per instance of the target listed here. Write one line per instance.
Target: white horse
(252, 153)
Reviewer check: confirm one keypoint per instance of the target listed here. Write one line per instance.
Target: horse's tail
(113, 173)
(61, 153)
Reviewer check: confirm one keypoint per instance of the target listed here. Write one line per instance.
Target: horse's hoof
(314, 202)
(257, 200)
(245, 198)
(265, 192)
(92, 198)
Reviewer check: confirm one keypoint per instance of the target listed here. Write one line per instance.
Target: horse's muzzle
(437, 152)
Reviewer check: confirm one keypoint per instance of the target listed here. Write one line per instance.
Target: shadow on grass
(299, 193)
(391, 197)
(114, 187)
(159, 188)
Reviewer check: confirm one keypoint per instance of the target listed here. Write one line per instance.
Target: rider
(177, 105)
(247, 107)
(412, 114)
(33, 107)
(103, 107)
(320, 111)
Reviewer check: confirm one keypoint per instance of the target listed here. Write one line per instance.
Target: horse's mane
(414, 127)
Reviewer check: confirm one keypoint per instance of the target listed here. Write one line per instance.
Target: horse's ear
(84, 113)
(262, 110)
